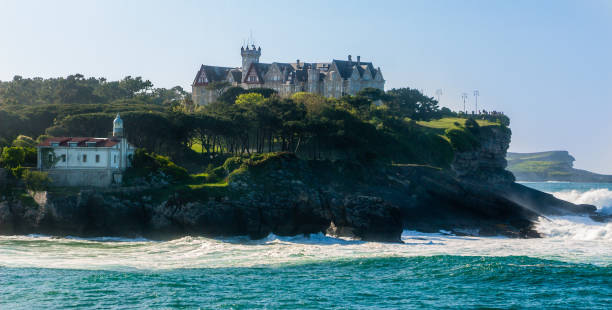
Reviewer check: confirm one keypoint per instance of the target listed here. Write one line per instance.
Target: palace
(330, 79)
(86, 161)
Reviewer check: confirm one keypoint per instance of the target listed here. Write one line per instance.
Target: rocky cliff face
(487, 163)
(288, 196)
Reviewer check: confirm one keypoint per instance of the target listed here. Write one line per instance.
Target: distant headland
(551, 166)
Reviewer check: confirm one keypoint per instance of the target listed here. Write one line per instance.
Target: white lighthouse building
(86, 161)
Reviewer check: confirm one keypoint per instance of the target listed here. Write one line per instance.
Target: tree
(250, 99)
(218, 87)
(411, 103)
(12, 157)
(136, 85)
(230, 95)
(24, 142)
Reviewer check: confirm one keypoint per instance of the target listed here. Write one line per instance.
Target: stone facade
(86, 161)
(331, 79)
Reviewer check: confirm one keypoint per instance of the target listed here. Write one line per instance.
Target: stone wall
(328, 87)
(84, 177)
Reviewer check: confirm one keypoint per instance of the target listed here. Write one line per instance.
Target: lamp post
(464, 97)
(476, 94)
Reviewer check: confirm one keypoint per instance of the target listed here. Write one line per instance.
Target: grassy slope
(449, 122)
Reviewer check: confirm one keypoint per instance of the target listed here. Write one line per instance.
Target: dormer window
(90, 144)
(54, 143)
(73, 144)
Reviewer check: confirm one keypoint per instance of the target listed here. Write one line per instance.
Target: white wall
(76, 155)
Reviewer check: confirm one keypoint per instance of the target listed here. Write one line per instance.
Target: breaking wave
(580, 228)
(601, 198)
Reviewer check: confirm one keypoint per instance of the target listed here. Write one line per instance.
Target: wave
(574, 228)
(601, 198)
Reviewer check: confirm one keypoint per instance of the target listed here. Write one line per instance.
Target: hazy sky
(547, 64)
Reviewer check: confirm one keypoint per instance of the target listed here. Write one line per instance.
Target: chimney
(350, 58)
(358, 60)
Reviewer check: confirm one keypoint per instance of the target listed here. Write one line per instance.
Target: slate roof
(236, 75)
(81, 141)
(345, 68)
(260, 69)
(292, 72)
(212, 73)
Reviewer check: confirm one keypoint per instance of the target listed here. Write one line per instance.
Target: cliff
(282, 194)
(550, 166)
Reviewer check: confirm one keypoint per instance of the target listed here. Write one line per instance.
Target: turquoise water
(571, 267)
(392, 282)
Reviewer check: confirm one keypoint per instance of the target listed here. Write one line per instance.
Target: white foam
(571, 239)
(567, 241)
(574, 228)
(601, 198)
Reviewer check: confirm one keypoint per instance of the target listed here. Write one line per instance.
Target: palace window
(54, 143)
(73, 144)
(63, 158)
(97, 158)
(91, 144)
(84, 158)
(115, 159)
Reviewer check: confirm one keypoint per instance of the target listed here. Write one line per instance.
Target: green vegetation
(36, 181)
(452, 122)
(149, 165)
(238, 131)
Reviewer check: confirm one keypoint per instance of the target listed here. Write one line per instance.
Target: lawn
(449, 122)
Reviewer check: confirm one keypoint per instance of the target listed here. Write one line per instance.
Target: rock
(287, 196)
(367, 218)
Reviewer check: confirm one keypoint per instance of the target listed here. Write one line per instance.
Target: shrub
(472, 126)
(35, 180)
(145, 163)
(462, 139)
(232, 164)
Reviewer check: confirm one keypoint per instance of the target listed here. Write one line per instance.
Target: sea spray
(574, 228)
(601, 198)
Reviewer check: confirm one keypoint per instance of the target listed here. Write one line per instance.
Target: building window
(115, 159)
(54, 143)
(97, 158)
(91, 144)
(64, 158)
(84, 158)
(73, 144)
(50, 158)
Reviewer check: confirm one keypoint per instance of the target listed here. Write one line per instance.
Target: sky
(547, 63)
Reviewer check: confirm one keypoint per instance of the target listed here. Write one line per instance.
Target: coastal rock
(368, 218)
(487, 163)
(284, 195)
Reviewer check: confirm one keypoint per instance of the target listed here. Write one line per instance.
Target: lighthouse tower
(118, 127)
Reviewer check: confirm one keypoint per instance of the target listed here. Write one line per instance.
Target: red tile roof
(82, 141)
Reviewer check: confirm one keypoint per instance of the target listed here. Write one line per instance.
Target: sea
(570, 267)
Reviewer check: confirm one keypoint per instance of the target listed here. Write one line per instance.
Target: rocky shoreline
(285, 195)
